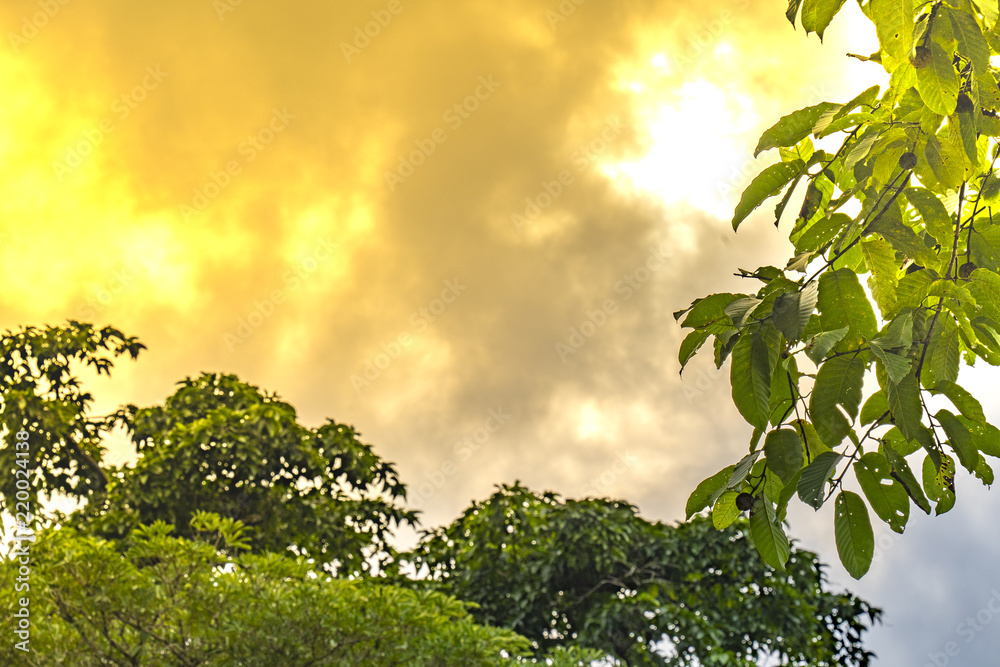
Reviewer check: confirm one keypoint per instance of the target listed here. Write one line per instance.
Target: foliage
(907, 201)
(168, 601)
(281, 527)
(220, 445)
(593, 573)
(38, 393)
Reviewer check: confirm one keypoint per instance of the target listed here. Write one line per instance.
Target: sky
(461, 227)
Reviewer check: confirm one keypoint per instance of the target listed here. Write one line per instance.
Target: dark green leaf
(812, 483)
(793, 128)
(853, 530)
(886, 495)
(701, 497)
(842, 302)
(959, 438)
(838, 383)
(901, 473)
(766, 184)
(817, 14)
(768, 537)
(783, 453)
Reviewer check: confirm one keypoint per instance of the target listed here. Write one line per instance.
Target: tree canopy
(593, 573)
(904, 202)
(241, 537)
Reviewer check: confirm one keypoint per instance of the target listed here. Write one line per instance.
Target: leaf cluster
(895, 278)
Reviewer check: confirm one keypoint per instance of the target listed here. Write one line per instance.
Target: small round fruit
(966, 270)
(964, 104)
(907, 160)
(921, 57)
(744, 501)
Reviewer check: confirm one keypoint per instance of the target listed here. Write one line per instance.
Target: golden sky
(459, 226)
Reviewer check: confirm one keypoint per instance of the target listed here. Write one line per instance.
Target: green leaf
(934, 214)
(984, 472)
(876, 406)
(792, 310)
(938, 82)
(886, 495)
(940, 483)
(989, 10)
(881, 259)
(800, 151)
(943, 353)
(912, 290)
(985, 436)
(904, 404)
(692, 342)
(741, 470)
(709, 312)
(740, 309)
(946, 162)
(751, 375)
(700, 498)
(894, 24)
(903, 239)
(901, 473)
(766, 184)
(971, 42)
(984, 285)
(782, 397)
(812, 483)
(811, 236)
(768, 536)
(859, 151)
(965, 402)
(783, 453)
(896, 366)
(786, 495)
(793, 9)
(959, 438)
(838, 383)
(823, 342)
(725, 510)
(817, 14)
(842, 302)
(793, 128)
(853, 530)
(866, 99)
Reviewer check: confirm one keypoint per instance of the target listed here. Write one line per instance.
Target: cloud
(539, 162)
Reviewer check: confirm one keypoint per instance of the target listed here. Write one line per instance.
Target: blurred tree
(221, 445)
(169, 601)
(593, 573)
(40, 394)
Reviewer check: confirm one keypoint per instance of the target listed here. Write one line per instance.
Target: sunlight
(590, 422)
(693, 135)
